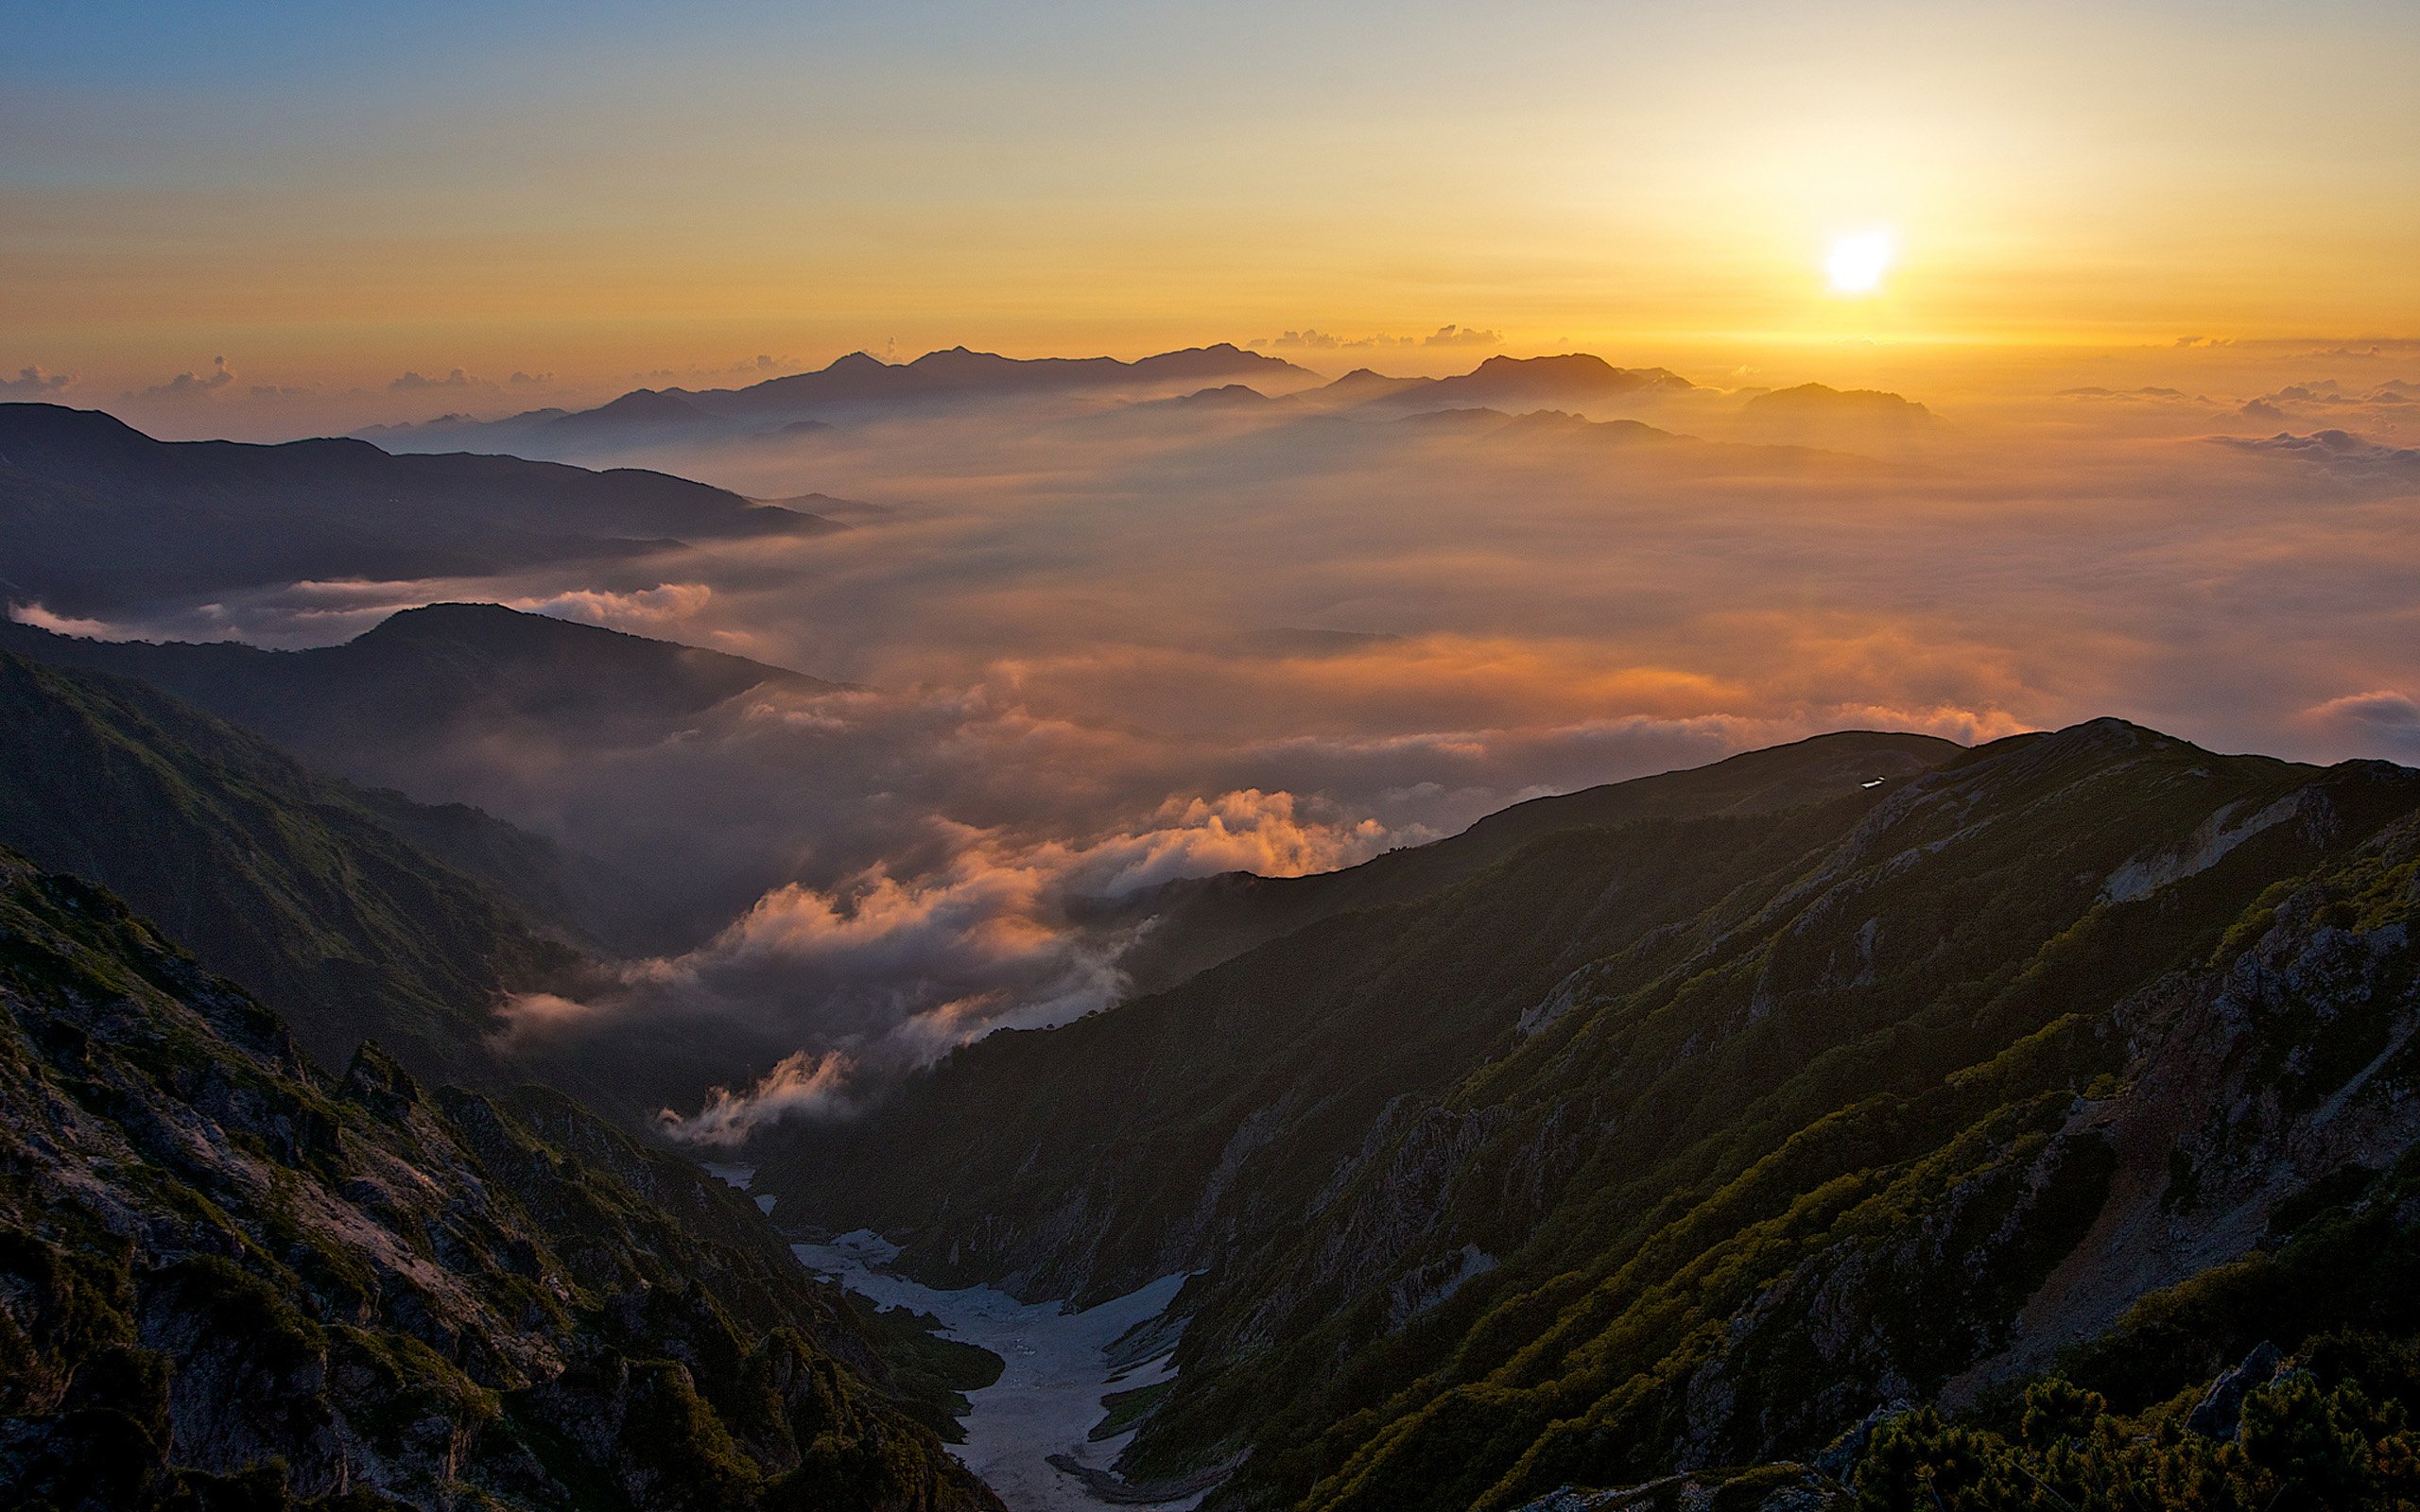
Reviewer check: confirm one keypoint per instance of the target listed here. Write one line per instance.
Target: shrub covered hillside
(229, 1280)
(276, 876)
(1690, 1141)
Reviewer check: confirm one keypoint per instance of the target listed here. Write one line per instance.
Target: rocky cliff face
(228, 1279)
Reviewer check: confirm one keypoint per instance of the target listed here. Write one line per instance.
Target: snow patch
(1059, 1366)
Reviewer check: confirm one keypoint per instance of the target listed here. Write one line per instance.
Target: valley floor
(1059, 1365)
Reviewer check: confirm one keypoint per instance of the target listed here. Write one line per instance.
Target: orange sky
(603, 193)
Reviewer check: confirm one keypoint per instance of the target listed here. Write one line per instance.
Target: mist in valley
(1077, 645)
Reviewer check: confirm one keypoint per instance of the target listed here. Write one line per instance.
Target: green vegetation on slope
(272, 874)
(226, 1280)
(1678, 1143)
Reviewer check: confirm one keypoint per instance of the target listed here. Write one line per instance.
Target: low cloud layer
(1095, 647)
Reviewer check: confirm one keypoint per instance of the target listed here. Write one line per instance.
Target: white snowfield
(1048, 1398)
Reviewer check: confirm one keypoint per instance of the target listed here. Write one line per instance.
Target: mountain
(1815, 411)
(299, 886)
(96, 516)
(641, 411)
(383, 708)
(1575, 378)
(859, 379)
(229, 1280)
(1688, 1139)
(1201, 921)
(854, 385)
(388, 706)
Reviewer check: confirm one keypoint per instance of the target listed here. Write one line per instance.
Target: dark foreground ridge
(1690, 1138)
(228, 1281)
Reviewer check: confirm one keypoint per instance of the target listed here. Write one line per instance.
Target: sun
(1858, 263)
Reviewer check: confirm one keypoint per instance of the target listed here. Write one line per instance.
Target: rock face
(228, 1279)
(1758, 1121)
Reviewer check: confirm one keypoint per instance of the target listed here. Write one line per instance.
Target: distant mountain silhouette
(641, 408)
(95, 515)
(786, 405)
(1819, 402)
(858, 378)
(1572, 377)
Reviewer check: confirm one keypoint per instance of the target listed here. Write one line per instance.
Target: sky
(2147, 267)
(328, 197)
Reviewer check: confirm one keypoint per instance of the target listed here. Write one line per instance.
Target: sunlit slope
(228, 1279)
(1683, 1141)
(276, 876)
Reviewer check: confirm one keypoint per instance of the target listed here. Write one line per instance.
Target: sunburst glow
(1858, 263)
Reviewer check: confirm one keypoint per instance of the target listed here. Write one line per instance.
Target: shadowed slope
(270, 873)
(1206, 921)
(1683, 1141)
(229, 1280)
(96, 516)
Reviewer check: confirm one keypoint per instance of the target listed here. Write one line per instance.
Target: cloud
(1322, 341)
(802, 1086)
(412, 383)
(523, 379)
(2384, 717)
(883, 972)
(1451, 336)
(192, 385)
(2338, 453)
(1099, 647)
(659, 609)
(67, 625)
(32, 383)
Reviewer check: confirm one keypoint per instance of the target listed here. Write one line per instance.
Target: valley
(494, 1062)
(1046, 1405)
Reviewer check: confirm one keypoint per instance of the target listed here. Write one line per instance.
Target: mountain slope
(1201, 921)
(96, 516)
(417, 675)
(226, 1280)
(272, 874)
(1681, 1142)
(391, 708)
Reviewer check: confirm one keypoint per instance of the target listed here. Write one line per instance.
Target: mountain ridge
(95, 515)
(1534, 1179)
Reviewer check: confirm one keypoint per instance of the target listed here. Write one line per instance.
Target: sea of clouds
(1093, 646)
